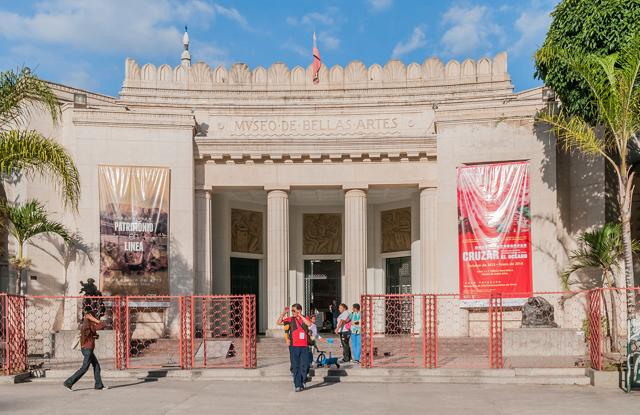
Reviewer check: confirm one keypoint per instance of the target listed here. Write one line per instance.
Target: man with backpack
(300, 339)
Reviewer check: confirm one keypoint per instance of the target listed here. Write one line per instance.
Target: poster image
(134, 230)
(494, 231)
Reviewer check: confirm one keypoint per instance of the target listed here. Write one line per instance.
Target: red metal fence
(408, 330)
(438, 330)
(141, 332)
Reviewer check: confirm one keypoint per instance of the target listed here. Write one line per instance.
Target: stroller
(323, 361)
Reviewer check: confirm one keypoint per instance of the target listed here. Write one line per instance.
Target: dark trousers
(346, 347)
(89, 359)
(299, 363)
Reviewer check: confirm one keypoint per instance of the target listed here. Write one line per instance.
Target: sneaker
(68, 387)
(104, 388)
(357, 362)
(298, 389)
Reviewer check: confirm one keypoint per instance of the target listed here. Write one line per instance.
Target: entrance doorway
(399, 310)
(245, 279)
(321, 287)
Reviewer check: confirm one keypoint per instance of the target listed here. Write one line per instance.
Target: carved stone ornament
(537, 312)
(246, 231)
(322, 234)
(396, 230)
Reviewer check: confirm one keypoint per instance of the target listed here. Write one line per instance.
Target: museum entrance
(322, 286)
(245, 279)
(399, 310)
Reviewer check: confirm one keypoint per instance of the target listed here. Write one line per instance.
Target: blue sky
(83, 43)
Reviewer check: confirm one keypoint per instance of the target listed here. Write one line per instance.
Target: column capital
(283, 188)
(429, 184)
(346, 188)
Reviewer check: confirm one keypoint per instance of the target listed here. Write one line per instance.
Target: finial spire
(185, 59)
(314, 39)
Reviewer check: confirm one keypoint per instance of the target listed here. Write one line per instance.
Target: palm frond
(574, 132)
(29, 152)
(601, 249)
(21, 92)
(30, 219)
(629, 74)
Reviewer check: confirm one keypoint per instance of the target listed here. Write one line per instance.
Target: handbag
(76, 342)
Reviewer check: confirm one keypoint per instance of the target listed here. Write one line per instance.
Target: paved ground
(186, 397)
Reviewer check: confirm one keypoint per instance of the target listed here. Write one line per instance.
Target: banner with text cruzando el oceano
(134, 230)
(494, 232)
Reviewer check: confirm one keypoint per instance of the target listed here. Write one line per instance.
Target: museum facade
(306, 192)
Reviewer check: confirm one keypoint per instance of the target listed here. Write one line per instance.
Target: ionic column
(355, 246)
(428, 239)
(277, 254)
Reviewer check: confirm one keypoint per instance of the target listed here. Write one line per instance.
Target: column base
(275, 332)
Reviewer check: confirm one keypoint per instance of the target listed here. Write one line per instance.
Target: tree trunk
(628, 263)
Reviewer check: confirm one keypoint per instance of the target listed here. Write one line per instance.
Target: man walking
(88, 335)
(344, 330)
(299, 338)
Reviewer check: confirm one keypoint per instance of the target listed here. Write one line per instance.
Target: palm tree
(601, 249)
(24, 222)
(614, 82)
(27, 152)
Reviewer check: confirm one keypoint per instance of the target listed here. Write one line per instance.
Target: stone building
(306, 192)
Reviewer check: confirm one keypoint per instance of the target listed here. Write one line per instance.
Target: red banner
(494, 230)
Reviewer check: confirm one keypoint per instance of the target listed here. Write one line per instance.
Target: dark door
(399, 310)
(245, 279)
(321, 287)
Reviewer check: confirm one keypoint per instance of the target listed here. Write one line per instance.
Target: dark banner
(494, 230)
(134, 230)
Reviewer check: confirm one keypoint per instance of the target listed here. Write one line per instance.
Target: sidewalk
(176, 397)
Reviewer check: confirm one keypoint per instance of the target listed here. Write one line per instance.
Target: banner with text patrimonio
(494, 231)
(134, 230)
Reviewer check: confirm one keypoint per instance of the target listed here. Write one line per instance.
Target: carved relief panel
(246, 231)
(396, 230)
(322, 234)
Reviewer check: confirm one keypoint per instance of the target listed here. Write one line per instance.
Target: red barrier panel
(155, 328)
(594, 330)
(430, 330)
(495, 331)
(51, 327)
(224, 330)
(12, 334)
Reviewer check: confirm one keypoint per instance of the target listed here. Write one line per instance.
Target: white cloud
(328, 41)
(417, 40)
(142, 27)
(532, 25)
(297, 49)
(471, 30)
(211, 54)
(326, 25)
(231, 14)
(379, 5)
(313, 19)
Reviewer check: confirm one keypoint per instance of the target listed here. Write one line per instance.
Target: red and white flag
(316, 61)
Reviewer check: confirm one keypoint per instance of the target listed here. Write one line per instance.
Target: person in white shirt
(344, 330)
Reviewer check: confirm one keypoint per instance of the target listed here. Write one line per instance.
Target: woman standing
(355, 333)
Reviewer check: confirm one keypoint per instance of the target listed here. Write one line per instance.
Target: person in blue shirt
(355, 333)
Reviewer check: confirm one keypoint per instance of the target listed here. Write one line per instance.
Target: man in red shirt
(299, 343)
(88, 335)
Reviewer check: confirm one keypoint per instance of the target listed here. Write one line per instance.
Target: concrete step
(280, 373)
